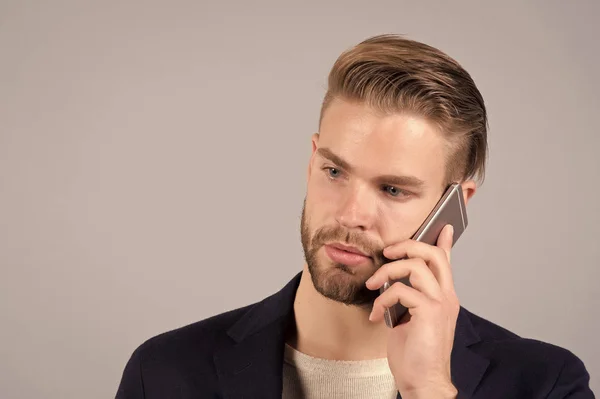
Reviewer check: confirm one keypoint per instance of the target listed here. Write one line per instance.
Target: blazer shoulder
(160, 362)
(533, 359)
(197, 339)
(493, 334)
(489, 331)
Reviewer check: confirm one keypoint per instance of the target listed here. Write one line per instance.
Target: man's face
(372, 181)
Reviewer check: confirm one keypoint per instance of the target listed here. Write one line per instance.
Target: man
(399, 123)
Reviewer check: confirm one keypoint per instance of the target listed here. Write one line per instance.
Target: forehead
(375, 143)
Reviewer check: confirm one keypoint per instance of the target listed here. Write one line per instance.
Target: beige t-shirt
(306, 377)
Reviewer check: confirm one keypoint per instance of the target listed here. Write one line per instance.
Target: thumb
(446, 239)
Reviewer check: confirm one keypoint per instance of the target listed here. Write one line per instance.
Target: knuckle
(420, 264)
(381, 271)
(398, 268)
(387, 267)
(440, 254)
(398, 287)
(414, 279)
(386, 271)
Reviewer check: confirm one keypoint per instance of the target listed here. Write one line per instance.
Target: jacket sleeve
(132, 383)
(573, 381)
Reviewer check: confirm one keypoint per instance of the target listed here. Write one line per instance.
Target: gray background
(153, 160)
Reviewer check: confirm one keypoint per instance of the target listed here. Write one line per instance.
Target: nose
(357, 208)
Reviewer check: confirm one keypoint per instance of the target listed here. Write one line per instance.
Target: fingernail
(370, 280)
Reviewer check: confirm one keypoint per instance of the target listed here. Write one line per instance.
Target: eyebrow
(405, 181)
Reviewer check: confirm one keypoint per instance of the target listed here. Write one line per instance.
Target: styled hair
(392, 74)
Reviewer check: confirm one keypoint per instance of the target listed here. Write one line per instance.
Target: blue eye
(333, 172)
(393, 191)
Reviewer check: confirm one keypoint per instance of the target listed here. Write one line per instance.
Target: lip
(338, 254)
(347, 248)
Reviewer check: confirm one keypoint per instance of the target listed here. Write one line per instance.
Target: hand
(419, 348)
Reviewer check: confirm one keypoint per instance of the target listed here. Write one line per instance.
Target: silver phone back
(450, 209)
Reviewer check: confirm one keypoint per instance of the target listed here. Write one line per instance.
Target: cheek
(400, 221)
(321, 199)
(323, 191)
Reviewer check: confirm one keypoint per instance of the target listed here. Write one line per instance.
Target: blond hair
(393, 74)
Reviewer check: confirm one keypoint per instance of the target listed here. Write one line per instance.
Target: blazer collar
(252, 366)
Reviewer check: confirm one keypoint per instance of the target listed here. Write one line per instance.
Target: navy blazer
(239, 354)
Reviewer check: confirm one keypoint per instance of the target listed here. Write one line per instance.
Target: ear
(315, 142)
(469, 187)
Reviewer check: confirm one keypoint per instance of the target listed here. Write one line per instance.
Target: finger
(446, 239)
(435, 257)
(407, 296)
(420, 276)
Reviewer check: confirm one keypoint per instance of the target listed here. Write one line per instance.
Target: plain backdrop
(153, 161)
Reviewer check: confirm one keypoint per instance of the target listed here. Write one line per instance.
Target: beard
(337, 281)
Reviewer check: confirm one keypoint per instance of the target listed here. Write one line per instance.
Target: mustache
(325, 235)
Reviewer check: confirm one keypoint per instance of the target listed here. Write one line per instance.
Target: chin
(341, 283)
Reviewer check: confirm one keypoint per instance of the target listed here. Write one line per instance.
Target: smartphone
(450, 209)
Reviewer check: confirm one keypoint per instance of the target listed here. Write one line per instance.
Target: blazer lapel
(252, 368)
(466, 366)
(250, 364)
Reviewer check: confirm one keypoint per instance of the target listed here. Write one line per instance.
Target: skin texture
(353, 199)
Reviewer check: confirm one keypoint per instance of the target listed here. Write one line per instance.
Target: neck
(332, 330)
